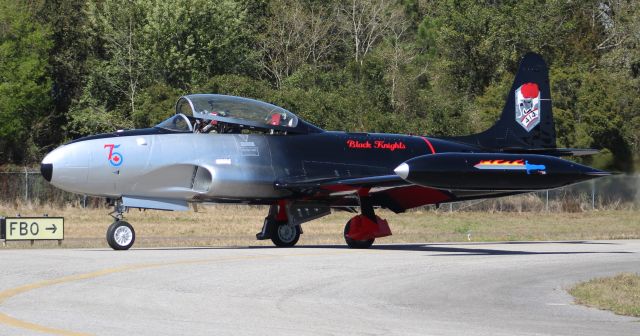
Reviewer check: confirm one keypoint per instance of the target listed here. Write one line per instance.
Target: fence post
(26, 184)
(593, 194)
(547, 203)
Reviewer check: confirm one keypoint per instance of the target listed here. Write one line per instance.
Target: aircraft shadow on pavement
(453, 250)
(443, 249)
(458, 251)
(589, 242)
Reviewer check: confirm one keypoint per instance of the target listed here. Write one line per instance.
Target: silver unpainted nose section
(67, 167)
(402, 170)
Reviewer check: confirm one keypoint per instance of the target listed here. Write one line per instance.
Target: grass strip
(236, 225)
(619, 294)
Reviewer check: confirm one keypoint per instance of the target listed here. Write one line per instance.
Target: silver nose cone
(66, 167)
(402, 170)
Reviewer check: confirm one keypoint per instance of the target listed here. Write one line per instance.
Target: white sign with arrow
(34, 228)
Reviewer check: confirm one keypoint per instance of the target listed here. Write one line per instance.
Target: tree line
(69, 68)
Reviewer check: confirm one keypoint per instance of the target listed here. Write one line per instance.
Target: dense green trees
(74, 67)
(24, 81)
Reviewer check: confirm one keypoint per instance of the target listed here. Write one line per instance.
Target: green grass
(619, 294)
(230, 225)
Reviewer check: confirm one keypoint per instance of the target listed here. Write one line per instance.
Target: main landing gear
(362, 230)
(277, 227)
(120, 234)
(284, 231)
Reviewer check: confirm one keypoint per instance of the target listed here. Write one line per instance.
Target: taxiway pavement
(417, 289)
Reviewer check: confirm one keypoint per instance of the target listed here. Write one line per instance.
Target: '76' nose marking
(115, 158)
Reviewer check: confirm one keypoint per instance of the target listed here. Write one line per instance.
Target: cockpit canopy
(236, 110)
(214, 113)
(177, 123)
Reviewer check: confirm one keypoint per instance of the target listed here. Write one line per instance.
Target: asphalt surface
(430, 289)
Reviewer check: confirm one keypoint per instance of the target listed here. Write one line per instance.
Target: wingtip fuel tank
(494, 171)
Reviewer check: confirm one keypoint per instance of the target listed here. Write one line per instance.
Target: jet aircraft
(227, 149)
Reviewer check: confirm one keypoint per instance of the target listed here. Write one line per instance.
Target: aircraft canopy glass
(236, 109)
(178, 123)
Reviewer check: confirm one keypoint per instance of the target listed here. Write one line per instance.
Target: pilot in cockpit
(277, 119)
(206, 126)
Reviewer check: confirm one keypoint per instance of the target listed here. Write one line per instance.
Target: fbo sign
(34, 228)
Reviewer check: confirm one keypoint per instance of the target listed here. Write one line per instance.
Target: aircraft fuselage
(226, 166)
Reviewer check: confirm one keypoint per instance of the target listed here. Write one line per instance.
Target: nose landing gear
(120, 234)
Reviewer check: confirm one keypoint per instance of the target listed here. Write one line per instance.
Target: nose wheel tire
(356, 244)
(120, 235)
(285, 235)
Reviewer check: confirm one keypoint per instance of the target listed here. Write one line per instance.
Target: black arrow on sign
(52, 229)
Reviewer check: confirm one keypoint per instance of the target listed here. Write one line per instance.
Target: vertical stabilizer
(526, 120)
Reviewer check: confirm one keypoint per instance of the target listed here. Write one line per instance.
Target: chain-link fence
(30, 187)
(616, 192)
(612, 192)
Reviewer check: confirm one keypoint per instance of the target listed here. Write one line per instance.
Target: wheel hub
(123, 236)
(286, 233)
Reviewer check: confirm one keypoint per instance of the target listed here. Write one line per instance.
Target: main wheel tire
(120, 235)
(285, 235)
(356, 244)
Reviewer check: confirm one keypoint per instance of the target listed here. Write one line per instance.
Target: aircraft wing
(389, 191)
(342, 183)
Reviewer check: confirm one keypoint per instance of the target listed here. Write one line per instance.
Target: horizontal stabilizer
(551, 151)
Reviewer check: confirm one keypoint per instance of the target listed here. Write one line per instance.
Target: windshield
(178, 123)
(255, 112)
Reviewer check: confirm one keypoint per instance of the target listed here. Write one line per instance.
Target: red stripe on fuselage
(433, 151)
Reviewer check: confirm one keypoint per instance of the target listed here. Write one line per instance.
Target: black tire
(120, 235)
(356, 244)
(284, 235)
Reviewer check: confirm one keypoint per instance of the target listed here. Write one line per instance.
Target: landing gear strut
(277, 228)
(362, 230)
(120, 234)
